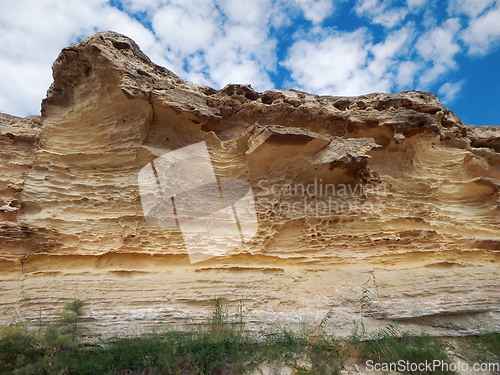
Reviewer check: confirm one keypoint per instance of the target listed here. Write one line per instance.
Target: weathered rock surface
(385, 195)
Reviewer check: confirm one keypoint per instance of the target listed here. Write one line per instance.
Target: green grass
(391, 345)
(484, 348)
(222, 346)
(36, 351)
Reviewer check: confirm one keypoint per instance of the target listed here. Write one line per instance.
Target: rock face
(386, 196)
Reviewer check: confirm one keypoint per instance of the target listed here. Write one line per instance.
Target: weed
(26, 298)
(327, 355)
(223, 346)
(26, 351)
(219, 317)
(326, 319)
(390, 345)
(482, 348)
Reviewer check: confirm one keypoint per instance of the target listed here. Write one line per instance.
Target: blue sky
(328, 47)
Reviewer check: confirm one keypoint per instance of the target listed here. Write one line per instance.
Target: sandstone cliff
(389, 196)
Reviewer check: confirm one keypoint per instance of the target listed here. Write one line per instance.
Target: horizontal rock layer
(389, 196)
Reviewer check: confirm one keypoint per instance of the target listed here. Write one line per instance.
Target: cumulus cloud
(470, 8)
(406, 72)
(245, 13)
(329, 66)
(412, 4)
(33, 33)
(241, 55)
(315, 10)
(215, 42)
(381, 12)
(438, 48)
(347, 63)
(220, 42)
(483, 32)
(186, 30)
(448, 92)
(137, 6)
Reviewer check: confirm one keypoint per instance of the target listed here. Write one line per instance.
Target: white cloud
(244, 12)
(23, 86)
(185, 30)
(347, 63)
(350, 64)
(406, 72)
(429, 20)
(438, 48)
(382, 68)
(483, 32)
(381, 12)
(33, 33)
(245, 71)
(329, 66)
(412, 4)
(395, 44)
(471, 8)
(449, 91)
(215, 42)
(221, 42)
(316, 10)
(339, 63)
(241, 47)
(136, 6)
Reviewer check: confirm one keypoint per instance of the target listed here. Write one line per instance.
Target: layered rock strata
(380, 207)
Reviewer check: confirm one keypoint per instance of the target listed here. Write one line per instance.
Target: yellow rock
(381, 207)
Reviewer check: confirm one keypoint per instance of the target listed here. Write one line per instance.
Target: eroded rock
(386, 194)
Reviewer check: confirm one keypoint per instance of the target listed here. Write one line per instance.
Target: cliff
(386, 196)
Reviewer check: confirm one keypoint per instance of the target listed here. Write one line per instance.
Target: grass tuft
(390, 345)
(484, 348)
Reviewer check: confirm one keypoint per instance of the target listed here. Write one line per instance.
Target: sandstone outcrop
(389, 196)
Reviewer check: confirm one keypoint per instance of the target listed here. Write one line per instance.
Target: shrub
(43, 351)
